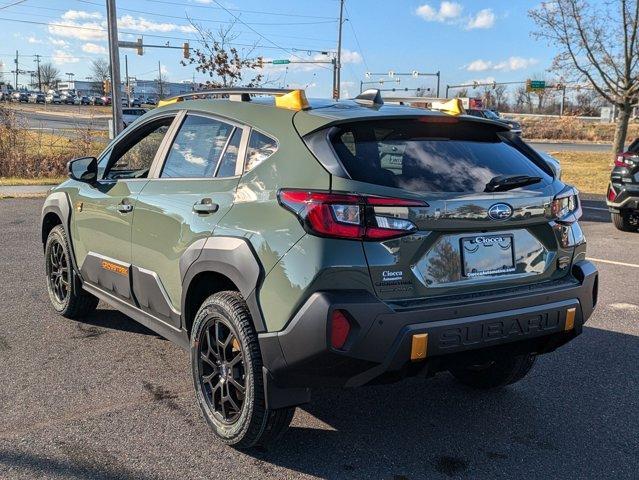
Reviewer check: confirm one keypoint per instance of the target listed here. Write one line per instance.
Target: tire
(66, 295)
(622, 222)
(228, 377)
(498, 373)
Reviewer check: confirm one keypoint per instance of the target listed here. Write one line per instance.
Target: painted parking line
(612, 262)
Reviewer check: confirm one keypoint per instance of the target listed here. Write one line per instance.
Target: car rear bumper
(381, 340)
(627, 198)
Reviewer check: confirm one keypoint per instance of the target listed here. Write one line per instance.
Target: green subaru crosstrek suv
(290, 244)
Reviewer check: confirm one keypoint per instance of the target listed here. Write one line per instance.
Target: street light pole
(114, 54)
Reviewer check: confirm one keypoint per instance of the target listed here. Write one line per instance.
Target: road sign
(281, 62)
(535, 85)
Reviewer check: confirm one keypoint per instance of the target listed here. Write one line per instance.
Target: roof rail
(235, 94)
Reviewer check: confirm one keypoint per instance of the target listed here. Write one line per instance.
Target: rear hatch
(480, 211)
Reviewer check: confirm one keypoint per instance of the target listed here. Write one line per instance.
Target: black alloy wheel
(58, 272)
(222, 370)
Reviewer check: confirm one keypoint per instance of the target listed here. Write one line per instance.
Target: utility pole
(439, 75)
(37, 60)
(337, 66)
(114, 54)
(126, 76)
(17, 71)
(160, 91)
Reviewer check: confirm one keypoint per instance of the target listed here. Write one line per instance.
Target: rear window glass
(429, 157)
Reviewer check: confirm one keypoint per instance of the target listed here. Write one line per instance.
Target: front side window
(132, 157)
(260, 147)
(197, 148)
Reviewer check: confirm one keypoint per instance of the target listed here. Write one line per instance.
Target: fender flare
(232, 257)
(60, 204)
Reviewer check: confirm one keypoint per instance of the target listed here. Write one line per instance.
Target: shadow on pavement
(92, 324)
(568, 419)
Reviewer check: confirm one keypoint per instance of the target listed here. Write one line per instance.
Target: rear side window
(197, 148)
(422, 156)
(260, 147)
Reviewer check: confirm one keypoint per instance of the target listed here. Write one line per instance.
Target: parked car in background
(150, 101)
(82, 100)
(67, 98)
(515, 127)
(37, 97)
(21, 97)
(53, 98)
(96, 100)
(106, 100)
(623, 192)
(130, 115)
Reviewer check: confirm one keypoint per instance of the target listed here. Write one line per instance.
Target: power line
(12, 4)
(350, 22)
(204, 19)
(228, 10)
(166, 37)
(238, 19)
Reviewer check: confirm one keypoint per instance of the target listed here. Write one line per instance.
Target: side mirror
(83, 169)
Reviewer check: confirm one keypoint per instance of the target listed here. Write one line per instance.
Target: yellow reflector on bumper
(570, 319)
(295, 100)
(419, 347)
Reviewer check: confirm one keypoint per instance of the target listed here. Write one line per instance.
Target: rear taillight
(340, 328)
(623, 161)
(566, 207)
(350, 216)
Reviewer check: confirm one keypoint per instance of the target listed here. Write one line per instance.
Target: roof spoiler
(371, 98)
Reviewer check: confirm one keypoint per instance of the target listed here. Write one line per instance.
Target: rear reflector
(419, 347)
(340, 328)
(570, 319)
(611, 194)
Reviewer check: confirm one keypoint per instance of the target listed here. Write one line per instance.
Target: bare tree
(461, 93)
(587, 103)
(100, 71)
(523, 100)
(49, 75)
(501, 100)
(160, 81)
(599, 42)
(222, 62)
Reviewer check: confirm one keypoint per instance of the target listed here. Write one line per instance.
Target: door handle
(125, 207)
(205, 206)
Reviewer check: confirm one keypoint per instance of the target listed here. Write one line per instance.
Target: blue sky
(464, 39)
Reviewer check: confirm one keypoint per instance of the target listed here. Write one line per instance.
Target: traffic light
(528, 86)
(106, 86)
(260, 62)
(185, 50)
(139, 47)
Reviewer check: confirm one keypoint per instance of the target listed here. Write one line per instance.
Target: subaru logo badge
(500, 211)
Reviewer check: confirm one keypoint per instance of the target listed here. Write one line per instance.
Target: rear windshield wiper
(501, 183)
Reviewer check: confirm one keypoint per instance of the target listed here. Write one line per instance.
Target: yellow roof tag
(169, 101)
(452, 107)
(295, 100)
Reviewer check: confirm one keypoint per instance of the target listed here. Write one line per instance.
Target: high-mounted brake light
(349, 216)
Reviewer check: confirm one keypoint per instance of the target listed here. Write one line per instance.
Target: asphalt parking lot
(106, 398)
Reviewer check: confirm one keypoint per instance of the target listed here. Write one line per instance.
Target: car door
(103, 212)
(179, 207)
